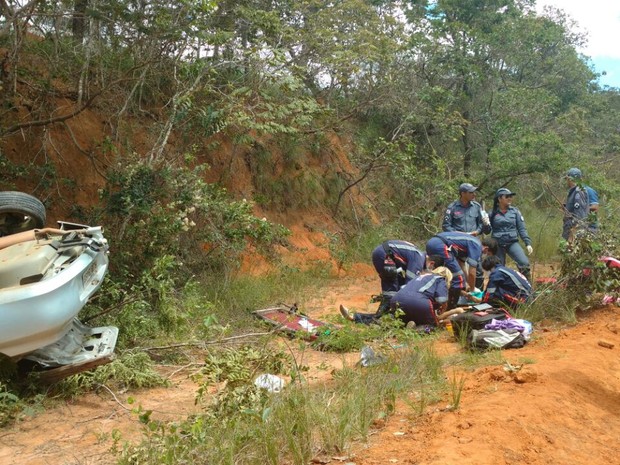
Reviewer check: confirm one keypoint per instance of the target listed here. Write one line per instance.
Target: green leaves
(581, 267)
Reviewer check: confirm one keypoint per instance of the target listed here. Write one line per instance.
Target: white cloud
(600, 19)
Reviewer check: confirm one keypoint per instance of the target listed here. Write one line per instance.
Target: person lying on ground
(506, 287)
(422, 301)
(29, 235)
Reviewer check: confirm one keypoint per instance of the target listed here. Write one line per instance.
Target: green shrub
(11, 406)
(129, 371)
(293, 425)
(582, 268)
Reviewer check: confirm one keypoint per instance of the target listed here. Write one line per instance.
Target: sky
(600, 20)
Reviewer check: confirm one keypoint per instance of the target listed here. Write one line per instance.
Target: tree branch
(44, 122)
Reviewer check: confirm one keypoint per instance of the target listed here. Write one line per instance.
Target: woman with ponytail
(508, 226)
(422, 301)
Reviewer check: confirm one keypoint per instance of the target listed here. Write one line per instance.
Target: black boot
(384, 306)
(526, 272)
(453, 298)
(479, 277)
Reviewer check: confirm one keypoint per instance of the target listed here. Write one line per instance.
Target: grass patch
(550, 303)
(544, 226)
(471, 360)
(457, 383)
(298, 424)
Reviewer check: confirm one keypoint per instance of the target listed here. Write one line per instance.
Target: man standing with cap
(577, 176)
(577, 206)
(466, 215)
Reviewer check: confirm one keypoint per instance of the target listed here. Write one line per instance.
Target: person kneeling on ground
(397, 262)
(461, 253)
(506, 287)
(423, 300)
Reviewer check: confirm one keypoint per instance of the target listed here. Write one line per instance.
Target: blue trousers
(515, 251)
(415, 308)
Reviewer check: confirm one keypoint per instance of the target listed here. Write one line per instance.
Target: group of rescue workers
(427, 285)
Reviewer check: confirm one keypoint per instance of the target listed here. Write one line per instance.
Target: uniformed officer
(576, 208)
(466, 215)
(508, 226)
(456, 247)
(397, 262)
(593, 202)
(506, 287)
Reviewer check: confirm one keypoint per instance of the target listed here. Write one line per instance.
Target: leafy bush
(237, 369)
(154, 211)
(582, 280)
(130, 371)
(166, 225)
(349, 338)
(352, 336)
(582, 268)
(10, 405)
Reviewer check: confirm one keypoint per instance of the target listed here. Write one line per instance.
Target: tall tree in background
(79, 25)
(504, 71)
(484, 88)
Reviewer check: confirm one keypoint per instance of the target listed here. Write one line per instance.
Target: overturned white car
(46, 278)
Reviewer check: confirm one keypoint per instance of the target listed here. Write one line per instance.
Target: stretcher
(290, 320)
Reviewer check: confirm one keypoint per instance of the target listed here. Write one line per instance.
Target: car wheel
(20, 212)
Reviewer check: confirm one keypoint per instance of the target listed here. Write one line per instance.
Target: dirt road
(559, 405)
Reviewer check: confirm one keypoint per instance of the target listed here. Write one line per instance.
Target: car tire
(20, 212)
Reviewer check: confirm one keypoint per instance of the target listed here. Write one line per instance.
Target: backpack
(477, 318)
(496, 339)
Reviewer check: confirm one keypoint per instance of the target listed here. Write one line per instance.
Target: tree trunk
(79, 24)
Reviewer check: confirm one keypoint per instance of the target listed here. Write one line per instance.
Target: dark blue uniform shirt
(508, 286)
(509, 226)
(464, 218)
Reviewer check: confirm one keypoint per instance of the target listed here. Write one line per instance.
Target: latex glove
(530, 249)
(484, 216)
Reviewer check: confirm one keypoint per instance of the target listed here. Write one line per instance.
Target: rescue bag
(476, 318)
(496, 339)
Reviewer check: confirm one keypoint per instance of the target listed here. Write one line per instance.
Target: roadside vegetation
(298, 424)
(213, 117)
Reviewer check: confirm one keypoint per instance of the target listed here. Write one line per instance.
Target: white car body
(43, 286)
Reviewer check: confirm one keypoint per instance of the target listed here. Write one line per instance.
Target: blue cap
(467, 187)
(574, 173)
(503, 191)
